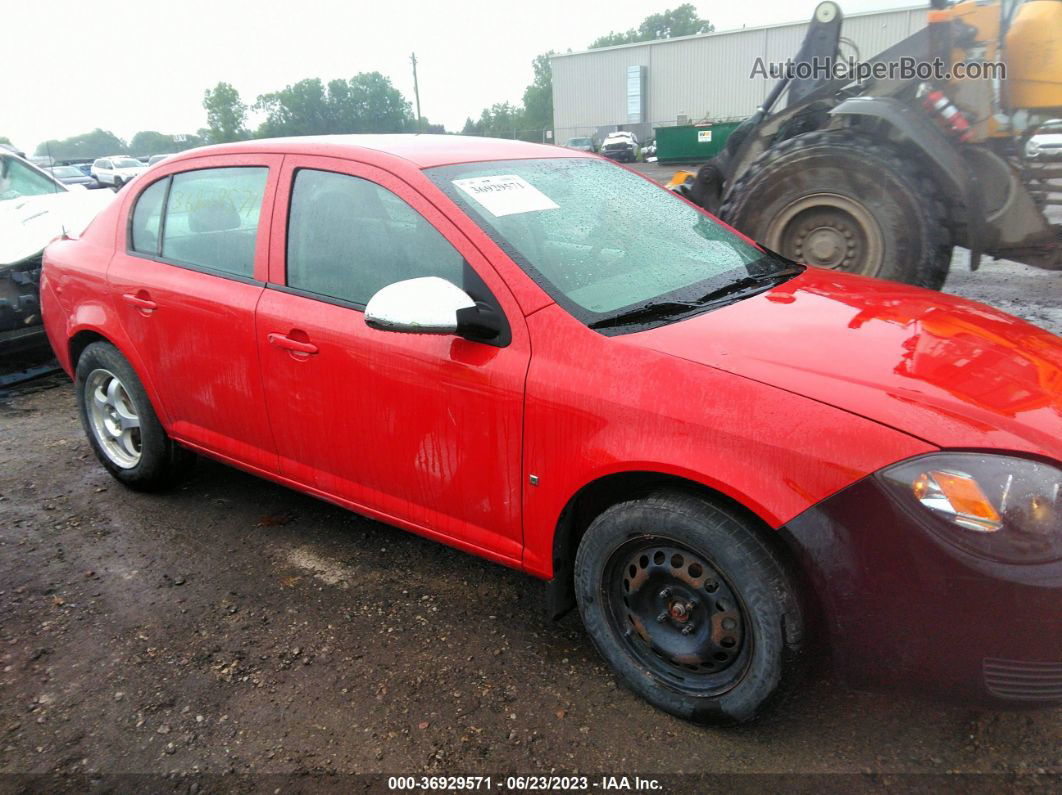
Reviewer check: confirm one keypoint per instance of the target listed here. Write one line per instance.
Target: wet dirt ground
(236, 626)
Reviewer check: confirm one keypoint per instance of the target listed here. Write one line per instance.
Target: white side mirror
(426, 305)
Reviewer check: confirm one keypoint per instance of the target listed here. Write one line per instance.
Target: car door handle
(139, 302)
(288, 344)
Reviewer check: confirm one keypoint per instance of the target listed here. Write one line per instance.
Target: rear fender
(97, 317)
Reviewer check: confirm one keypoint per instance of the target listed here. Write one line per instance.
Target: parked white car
(1046, 145)
(117, 170)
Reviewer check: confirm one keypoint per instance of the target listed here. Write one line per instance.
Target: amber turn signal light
(960, 497)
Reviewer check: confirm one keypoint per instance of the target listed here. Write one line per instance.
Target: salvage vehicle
(883, 170)
(116, 171)
(621, 146)
(723, 457)
(35, 208)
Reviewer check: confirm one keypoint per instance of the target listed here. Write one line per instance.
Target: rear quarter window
(147, 218)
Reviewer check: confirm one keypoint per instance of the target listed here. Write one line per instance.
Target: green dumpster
(692, 142)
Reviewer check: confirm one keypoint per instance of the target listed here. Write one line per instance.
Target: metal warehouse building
(694, 78)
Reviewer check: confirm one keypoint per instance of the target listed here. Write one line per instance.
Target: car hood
(29, 223)
(952, 372)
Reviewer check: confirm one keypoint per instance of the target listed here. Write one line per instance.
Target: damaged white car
(35, 208)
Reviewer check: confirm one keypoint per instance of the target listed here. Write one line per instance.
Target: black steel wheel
(677, 614)
(691, 606)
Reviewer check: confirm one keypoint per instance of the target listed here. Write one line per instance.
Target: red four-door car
(543, 358)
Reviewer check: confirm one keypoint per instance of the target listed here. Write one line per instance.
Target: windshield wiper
(655, 310)
(763, 280)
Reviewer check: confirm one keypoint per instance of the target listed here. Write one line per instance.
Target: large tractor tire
(845, 201)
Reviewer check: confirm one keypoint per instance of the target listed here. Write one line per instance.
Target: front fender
(637, 409)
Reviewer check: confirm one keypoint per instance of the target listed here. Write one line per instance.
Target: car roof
(423, 151)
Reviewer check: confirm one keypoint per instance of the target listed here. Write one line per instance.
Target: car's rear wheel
(693, 609)
(121, 424)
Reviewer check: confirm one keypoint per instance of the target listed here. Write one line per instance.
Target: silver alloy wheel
(113, 418)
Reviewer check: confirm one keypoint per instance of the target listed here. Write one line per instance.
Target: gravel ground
(233, 626)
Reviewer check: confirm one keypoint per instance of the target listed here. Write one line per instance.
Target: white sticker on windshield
(506, 195)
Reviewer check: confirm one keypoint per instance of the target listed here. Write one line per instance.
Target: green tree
(500, 120)
(226, 114)
(538, 96)
(680, 21)
(526, 121)
(149, 142)
(87, 146)
(298, 109)
(5, 140)
(367, 103)
(426, 126)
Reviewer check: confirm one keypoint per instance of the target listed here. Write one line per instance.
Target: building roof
(788, 23)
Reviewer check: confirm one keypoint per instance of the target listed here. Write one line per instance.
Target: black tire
(730, 586)
(160, 462)
(847, 201)
(118, 184)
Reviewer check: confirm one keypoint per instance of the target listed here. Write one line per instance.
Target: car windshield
(66, 171)
(18, 179)
(126, 162)
(600, 239)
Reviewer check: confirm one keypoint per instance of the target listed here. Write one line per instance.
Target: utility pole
(416, 88)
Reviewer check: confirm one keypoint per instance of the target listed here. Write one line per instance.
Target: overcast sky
(70, 66)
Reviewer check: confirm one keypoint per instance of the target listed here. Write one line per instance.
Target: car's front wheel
(121, 424)
(693, 609)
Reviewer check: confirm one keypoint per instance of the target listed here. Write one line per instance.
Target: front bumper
(903, 607)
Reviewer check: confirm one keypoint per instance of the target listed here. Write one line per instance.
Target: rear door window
(211, 218)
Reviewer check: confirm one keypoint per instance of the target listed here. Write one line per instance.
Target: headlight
(997, 506)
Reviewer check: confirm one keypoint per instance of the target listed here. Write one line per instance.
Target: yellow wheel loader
(883, 167)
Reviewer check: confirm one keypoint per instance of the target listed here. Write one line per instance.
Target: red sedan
(545, 359)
